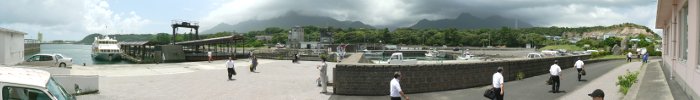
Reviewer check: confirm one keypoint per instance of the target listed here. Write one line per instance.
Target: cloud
(67, 19)
(403, 13)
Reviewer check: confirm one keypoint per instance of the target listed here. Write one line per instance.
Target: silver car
(53, 60)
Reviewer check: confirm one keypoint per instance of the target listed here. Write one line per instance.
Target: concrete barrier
(373, 79)
(78, 84)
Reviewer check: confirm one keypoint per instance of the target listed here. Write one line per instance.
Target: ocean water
(79, 53)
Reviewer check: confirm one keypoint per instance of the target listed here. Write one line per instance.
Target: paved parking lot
(276, 79)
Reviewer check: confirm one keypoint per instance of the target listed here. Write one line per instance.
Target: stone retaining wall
(373, 79)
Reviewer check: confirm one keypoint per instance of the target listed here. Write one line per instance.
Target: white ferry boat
(105, 48)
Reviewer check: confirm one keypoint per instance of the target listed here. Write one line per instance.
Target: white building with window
(11, 47)
(681, 39)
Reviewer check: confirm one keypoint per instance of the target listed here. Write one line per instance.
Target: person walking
(555, 72)
(395, 91)
(229, 65)
(579, 68)
(629, 56)
(209, 56)
(497, 81)
(296, 58)
(597, 94)
(324, 77)
(253, 63)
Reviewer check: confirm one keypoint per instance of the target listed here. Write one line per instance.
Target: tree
(611, 41)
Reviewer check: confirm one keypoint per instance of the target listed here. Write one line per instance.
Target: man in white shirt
(498, 83)
(579, 67)
(629, 56)
(395, 91)
(229, 65)
(555, 71)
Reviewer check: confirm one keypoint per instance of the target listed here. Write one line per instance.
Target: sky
(74, 19)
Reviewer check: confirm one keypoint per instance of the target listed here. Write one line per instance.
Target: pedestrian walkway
(653, 85)
(605, 83)
(532, 88)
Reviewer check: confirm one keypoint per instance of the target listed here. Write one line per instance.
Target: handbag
(583, 72)
(490, 93)
(549, 81)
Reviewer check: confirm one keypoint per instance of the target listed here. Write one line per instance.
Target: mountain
(288, 20)
(468, 21)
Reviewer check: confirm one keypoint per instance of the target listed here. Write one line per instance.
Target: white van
(30, 84)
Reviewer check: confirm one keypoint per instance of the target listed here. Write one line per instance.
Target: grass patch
(566, 47)
(625, 81)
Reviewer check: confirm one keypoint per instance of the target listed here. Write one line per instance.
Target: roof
(24, 76)
(139, 43)
(663, 12)
(225, 39)
(4, 30)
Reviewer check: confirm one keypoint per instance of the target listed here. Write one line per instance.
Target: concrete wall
(686, 71)
(373, 79)
(11, 47)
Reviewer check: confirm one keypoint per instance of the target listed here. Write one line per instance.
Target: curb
(634, 89)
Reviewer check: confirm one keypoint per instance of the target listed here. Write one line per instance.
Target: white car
(534, 55)
(30, 84)
(53, 60)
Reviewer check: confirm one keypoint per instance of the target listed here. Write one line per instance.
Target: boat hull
(106, 56)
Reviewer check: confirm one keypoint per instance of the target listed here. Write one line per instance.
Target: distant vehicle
(30, 84)
(465, 56)
(434, 53)
(550, 53)
(590, 51)
(397, 58)
(279, 45)
(535, 55)
(53, 60)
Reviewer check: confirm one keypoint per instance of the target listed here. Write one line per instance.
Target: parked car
(53, 60)
(534, 55)
(30, 84)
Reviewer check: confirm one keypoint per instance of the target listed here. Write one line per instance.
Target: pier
(139, 51)
(31, 46)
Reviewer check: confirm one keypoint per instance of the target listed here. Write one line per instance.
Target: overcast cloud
(403, 13)
(61, 17)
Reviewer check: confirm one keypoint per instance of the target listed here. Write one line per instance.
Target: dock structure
(185, 24)
(138, 51)
(31, 46)
(221, 48)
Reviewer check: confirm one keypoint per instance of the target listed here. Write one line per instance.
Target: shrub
(625, 81)
(600, 54)
(520, 75)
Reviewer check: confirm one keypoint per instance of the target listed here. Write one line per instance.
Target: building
(263, 38)
(11, 47)
(679, 21)
(326, 36)
(295, 37)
